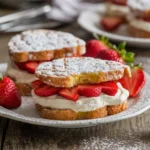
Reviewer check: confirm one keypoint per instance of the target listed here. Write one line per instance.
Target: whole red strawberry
(109, 54)
(31, 66)
(93, 47)
(9, 95)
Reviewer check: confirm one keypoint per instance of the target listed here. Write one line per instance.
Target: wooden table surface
(130, 134)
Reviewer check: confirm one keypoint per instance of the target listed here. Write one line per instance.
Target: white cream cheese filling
(140, 24)
(18, 75)
(83, 104)
(113, 8)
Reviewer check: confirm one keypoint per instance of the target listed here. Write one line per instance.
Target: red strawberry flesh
(110, 54)
(21, 65)
(36, 84)
(70, 93)
(147, 19)
(89, 90)
(120, 2)
(111, 23)
(135, 83)
(46, 91)
(93, 47)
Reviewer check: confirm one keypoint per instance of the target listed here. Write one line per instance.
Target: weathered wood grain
(131, 134)
(4, 38)
(128, 134)
(3, 128)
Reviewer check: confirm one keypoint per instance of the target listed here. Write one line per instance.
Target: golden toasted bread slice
(68, 72)
(42, 45)
(68, 114)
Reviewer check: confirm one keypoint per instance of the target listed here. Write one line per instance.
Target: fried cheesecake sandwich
(30, 48)
(79, 88)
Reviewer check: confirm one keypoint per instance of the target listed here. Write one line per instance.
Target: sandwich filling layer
(141, 24)
(83, 104)
(123, 10)
(18, 75)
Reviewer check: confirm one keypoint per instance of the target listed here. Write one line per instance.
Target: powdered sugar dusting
(40, 40)
(139, 4)
(119, 140)
(72, 66)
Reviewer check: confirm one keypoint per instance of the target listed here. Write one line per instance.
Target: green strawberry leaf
(129, 60)
(122, 45)
(128, 57)
(1, 77)
(130, 54)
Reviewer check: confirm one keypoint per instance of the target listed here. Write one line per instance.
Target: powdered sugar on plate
(41, 40)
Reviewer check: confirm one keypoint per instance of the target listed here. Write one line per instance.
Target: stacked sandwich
(80, 88)
(139, 23)
(30, 48)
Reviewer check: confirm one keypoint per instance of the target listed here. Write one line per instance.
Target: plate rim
(65, 124)
(111, 36)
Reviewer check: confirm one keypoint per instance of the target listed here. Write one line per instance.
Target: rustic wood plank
(3, 128)
(127, 134)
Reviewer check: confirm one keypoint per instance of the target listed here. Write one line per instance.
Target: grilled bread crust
(25, 46)
(57, 74)
(68, 114)
(48, 54)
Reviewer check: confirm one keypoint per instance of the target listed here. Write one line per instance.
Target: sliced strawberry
(109, 88)
(89, 90)
(71, 93)
(46, 91)
(31, 66)
(135, 83)
(21, 65)
(111, 23)
(120, 2)
(110, 54)
(147, 19)
(36, 84)
(93, 47)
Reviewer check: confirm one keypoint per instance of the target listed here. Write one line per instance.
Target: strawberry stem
(128, 57)
(1, 77)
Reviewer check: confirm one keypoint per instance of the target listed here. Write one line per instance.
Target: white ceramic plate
(90, 21)
(27, 112)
